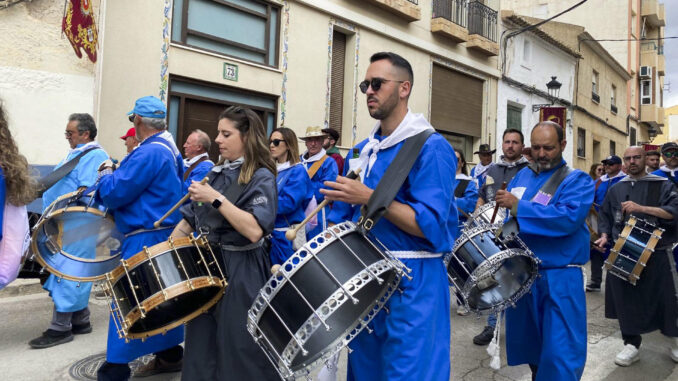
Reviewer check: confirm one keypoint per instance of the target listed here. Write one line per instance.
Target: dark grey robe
(651, 303)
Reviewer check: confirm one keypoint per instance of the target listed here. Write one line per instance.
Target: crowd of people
(262, 186)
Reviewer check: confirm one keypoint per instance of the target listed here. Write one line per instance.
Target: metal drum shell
(483, 215)
(322, 298)
(632, 249)
(188, 281)
(61, 206)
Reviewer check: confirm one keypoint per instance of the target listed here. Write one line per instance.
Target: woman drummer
(236, 209)
(466, 193)
(294, 187)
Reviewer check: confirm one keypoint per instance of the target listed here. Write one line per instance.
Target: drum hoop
(472, 232)
(488, 264)
(634, 275)
(282, 275)
(173, 291)
(312, 324)
(154, 251)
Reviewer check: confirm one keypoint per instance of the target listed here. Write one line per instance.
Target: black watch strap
(216, 203)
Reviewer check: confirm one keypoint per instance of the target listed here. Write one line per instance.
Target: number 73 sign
(230, 72)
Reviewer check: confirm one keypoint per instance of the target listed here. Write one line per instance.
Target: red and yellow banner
(553, 114)
(79, 27)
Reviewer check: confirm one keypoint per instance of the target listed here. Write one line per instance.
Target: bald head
(547, 145)
(634, 161)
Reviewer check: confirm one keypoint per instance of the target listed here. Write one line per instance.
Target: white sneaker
(462, 310)
(627, 356)
(673, 350)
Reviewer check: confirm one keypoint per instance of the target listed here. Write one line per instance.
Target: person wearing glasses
(670, 171)
(294, 187)
(218, 347)
(320, 168)
(70, 314)
(412, 331)
(596, 171)
(651, 304)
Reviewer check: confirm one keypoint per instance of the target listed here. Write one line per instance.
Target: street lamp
(553, 87)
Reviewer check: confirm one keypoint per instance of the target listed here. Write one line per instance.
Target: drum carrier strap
(393, 179)
(49, 180)
(551, 185)
(461, 188)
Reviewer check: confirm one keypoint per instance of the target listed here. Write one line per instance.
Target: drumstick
(292, 233)
(496, 207)
(157, 223)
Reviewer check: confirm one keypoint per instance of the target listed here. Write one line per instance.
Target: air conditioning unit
(646, 72)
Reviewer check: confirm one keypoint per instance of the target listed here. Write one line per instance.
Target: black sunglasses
(375, 83)
(275, 142)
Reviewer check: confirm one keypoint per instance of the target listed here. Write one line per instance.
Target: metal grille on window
(337, 82)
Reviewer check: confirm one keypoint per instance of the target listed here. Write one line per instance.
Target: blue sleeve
(431, 191)
(341, 211)
(565, 214)
(467, 203)
(88, 165)
(2, 200)
(327, 172)
(135, 174)
(198, 173)
(294, 193)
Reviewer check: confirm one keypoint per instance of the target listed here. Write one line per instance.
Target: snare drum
(490, 273)
(633, 249)
(321, 298)
(77, 239)
(164, 286)
(483, 215)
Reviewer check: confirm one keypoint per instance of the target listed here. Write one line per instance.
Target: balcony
(407, 9)
(595, 97)
(661, 64)
(654, 13)
(450, 19)
(652, 115)
(649, 55)
(613, 108)
(482, 29)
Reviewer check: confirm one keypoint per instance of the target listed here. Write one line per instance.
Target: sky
(671, 54)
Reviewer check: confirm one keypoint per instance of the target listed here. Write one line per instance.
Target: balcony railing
(649, 46)
(613, 108)
(455, 11)
(415, 2)
(482, 20)
(595, 97)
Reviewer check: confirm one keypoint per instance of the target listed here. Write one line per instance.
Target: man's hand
(629, 207)
(108, 164)
(347, 190)
(601, 242)
(505, 199)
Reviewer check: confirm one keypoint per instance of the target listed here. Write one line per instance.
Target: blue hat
(149, 107)
(610, 160)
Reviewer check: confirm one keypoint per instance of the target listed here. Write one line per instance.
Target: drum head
(77, 239)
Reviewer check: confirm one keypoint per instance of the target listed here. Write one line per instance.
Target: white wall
(673, 128)
(535, 70)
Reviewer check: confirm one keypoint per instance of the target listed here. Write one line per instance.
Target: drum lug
(349, 349)
(369, 330)
(401, 290)
(386, 309)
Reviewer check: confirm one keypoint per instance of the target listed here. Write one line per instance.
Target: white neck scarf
(85, 146)
(605, 177)
(480, 169)
(283, 166)
(411, 125)
(313, 158)
(189, 162)
(229, 164)
(462, 176)
(673, 171)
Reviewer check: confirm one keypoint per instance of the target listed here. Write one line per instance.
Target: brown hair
(463, 160)
(592, 171)
(257, 154)
(290, 139)
(21, 188)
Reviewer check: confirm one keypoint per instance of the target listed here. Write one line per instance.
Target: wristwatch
(217, 202)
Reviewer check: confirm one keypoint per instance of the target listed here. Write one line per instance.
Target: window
(594, 87)
(633, 140)
(526, 51)
(337, 81)
(646, 92)
(613, 99)
(246, 29)
(613, 147)
(514, 117)
(581, 142)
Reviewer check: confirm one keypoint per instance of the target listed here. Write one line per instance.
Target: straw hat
(313, 132)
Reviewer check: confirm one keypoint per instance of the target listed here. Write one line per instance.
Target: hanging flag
(78, 25)
(553, 114)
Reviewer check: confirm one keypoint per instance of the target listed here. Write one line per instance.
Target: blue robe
(147, 184)
(328, 171)
(467, 202)
(416, 331)
(68, 295)
(198, 173)
(548, 326)
(294, 187)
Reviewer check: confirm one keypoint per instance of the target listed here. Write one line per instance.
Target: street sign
(230, 72)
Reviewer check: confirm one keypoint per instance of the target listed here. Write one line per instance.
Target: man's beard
(549, 165)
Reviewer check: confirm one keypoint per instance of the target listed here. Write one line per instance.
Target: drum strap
(393, 179)
(461, 188)
(551, 186)
(49, 180)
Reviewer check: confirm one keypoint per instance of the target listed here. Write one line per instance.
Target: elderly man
(147, 184)
(330, 146)
(413, 330)
(320, 168)
(547, 329)
(197, 163)
(650, 304)
(130, 138)
(652, 158)
(485, 156)
(70, 314)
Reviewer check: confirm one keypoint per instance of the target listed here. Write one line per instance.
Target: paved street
(25, 311)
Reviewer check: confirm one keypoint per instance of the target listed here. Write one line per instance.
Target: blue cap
(614, 159)
(149, 107)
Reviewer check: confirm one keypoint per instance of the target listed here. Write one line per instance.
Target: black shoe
(51, 338)
(485, 336)
(591, 287)
(79, 329)
(113, 372)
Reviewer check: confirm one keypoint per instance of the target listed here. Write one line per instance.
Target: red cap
(130, 132)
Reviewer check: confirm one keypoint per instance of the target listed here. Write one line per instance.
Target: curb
(22, 287)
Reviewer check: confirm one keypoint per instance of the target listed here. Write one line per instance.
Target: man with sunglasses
(670, 171)
(70, 314)
(613, 174)
(650, 304)
(412, 331)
